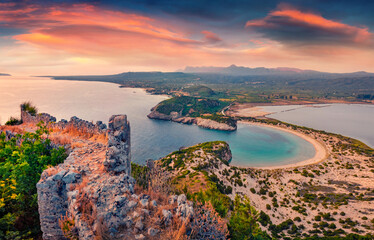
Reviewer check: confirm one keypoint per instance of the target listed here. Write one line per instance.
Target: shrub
(29, 107)
(13, 121)
(207, 223)
(262, 191)
(20, 168)
(243, 221)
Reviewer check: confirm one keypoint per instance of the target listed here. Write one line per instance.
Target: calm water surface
(150, 139)
(353, 120)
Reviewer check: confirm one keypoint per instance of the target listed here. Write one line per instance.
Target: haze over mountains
(234, 70)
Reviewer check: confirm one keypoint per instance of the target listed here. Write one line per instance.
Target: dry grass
(83, 132)
(60, 139)
(13, 129)
(176, 231)
(86, 207)
(160, 197)
(101, 231)
(84, 203)
(77, 145)
(67, 225)
(52, 170)
(181, 234)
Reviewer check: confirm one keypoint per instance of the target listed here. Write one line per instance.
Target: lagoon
(352, 120)
(253, 146)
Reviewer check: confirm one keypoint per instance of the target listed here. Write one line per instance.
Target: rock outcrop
(92, 194)
(74, 122)
(79, 187)
(118, 154)
(201, 122)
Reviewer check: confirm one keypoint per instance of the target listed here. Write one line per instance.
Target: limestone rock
(139, 237)
(118, 155)
(144, 202)
(152, 231)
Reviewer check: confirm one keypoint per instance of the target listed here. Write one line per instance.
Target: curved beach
(321, 152)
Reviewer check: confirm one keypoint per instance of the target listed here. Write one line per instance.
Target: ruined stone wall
(118, 144)
(57, 192)
(93, 187)
(75, 122)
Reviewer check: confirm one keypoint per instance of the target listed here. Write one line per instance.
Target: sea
(252, 146)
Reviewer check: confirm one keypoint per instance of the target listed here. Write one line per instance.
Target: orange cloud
(83, 38)
(288, 23)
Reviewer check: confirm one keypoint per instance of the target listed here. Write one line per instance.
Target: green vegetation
(195, 175)
(220, 202)
(199, 91)
(190, 106)
(29, 107)
(13, 121)
(214, 190)
(243, 223)
(141, 174)
(22, 160)
(243, 88)
(216, 148)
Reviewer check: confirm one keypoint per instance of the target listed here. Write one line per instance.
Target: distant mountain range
(234, 70)
(4, 74)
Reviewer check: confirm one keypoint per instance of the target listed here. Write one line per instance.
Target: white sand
(251, 112)
(320, 149)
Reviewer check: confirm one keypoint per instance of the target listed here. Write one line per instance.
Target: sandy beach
(320, 155)
(251, 112)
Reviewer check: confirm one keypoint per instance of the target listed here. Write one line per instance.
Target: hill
(245, 84)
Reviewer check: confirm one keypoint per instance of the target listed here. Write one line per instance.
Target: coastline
(320, 149)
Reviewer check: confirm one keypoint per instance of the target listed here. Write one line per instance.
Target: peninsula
(190, 110)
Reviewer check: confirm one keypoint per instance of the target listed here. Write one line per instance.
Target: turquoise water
(353, 120)
(150, 139)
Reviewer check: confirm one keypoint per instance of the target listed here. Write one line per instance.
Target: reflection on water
(150, 139)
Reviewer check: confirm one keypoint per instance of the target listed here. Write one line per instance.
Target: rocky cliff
(92, 195)
(201, 122)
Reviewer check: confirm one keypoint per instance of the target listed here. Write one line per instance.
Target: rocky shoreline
(201, 122)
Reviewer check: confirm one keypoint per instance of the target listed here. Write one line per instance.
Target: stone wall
(57, 188)
(94, 189)
(74, 122)
(118, 157)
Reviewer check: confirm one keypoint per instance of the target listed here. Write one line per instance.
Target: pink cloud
(288, 23)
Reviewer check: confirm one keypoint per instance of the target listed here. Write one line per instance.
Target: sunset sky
(105, 37)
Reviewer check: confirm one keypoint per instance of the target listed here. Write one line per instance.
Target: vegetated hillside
(253, 86)
(199, 91)
(190, 106)
(310, 202)
(22, 160)
(246, 71)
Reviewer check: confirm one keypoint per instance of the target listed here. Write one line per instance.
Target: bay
(150, 139)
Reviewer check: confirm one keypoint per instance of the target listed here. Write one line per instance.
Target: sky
(66, 37)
